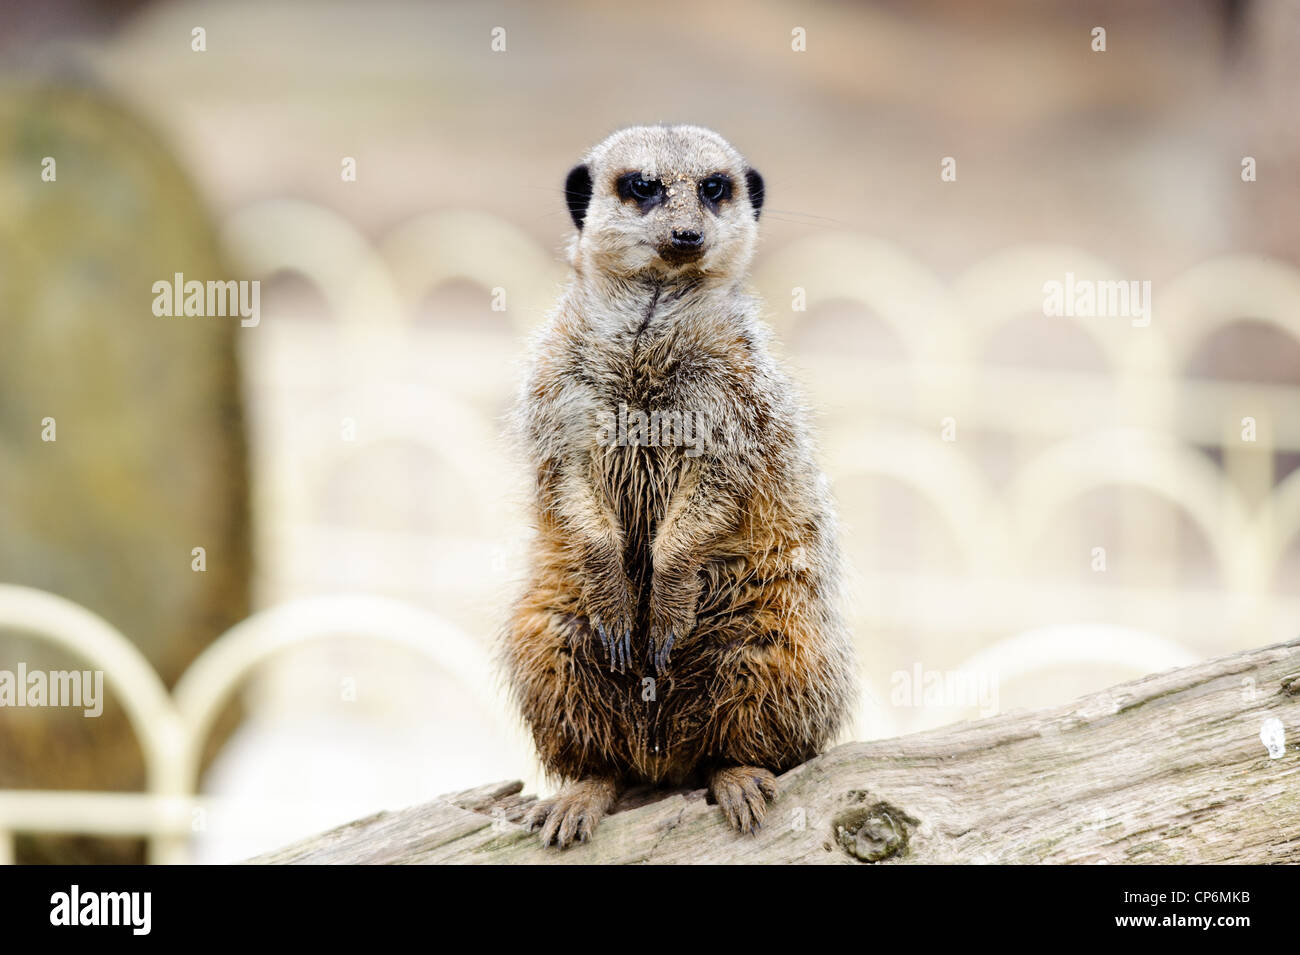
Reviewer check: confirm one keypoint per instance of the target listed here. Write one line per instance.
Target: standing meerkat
(680, 621)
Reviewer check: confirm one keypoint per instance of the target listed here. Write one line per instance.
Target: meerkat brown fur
(680, 621)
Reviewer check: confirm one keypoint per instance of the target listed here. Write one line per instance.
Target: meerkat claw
(600, 632)
(662, 652)
(616, 642)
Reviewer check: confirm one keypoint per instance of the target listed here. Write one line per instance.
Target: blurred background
(1034, 506)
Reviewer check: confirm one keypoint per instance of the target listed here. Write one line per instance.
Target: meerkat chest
(650, 436)
(650, 398)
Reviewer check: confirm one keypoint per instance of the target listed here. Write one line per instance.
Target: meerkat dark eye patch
(635, 187)
(754, 184)
(577, 193)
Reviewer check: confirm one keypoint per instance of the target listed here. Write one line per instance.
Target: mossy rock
(149, 458)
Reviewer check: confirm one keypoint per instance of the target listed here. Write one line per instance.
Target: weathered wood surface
(1166, 769)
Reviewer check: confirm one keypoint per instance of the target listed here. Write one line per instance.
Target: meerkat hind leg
(573, 813)
(743, 792)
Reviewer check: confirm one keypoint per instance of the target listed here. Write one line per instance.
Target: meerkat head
(664, 202)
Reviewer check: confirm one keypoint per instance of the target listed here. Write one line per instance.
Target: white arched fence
(172, 727)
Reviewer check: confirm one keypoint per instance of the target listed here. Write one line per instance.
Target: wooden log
(1171, 768)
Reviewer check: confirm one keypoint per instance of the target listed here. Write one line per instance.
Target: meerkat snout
(685, 240)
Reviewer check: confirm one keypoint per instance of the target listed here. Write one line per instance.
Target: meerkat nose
(687, 239)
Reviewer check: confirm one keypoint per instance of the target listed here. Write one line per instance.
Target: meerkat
(680, 622)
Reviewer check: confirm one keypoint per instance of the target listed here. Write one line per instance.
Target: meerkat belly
(661, 720)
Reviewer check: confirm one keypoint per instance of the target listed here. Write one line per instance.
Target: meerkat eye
(715, 189)
(635, 186)
(643, 188)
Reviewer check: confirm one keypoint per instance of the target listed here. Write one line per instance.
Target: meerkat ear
(577, 193)
(754, 184)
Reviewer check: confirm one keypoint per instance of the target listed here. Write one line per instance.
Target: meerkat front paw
(672, 615)
(573, 814)
(743, 792)
(610, 611)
